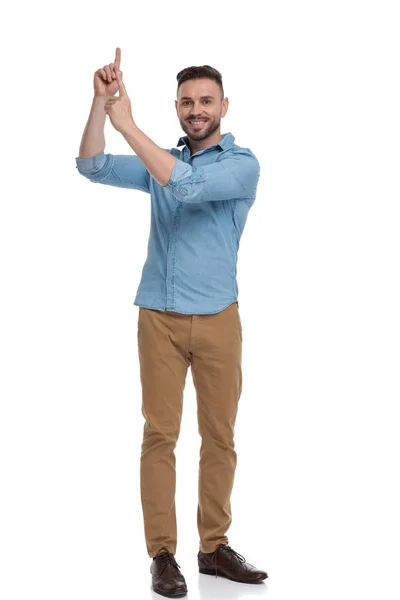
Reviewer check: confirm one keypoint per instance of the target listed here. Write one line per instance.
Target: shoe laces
(166, 558)
(232, 554)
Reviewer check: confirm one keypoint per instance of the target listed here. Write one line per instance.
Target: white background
(314, 92)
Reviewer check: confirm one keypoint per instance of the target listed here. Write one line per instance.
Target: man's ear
(225, 106)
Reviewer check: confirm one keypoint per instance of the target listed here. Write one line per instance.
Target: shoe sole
(219, 574)
(178, 595)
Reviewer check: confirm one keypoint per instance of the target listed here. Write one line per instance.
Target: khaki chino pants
(211, 344)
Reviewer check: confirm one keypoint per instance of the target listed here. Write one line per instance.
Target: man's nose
(197, 108)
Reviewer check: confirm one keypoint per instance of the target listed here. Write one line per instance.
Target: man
(188, 310)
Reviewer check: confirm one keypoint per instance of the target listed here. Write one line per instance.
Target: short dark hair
(200, 72)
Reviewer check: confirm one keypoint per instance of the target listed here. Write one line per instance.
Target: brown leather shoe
(225, 562)
(167, 579)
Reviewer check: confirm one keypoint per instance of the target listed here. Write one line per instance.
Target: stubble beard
(212, 126)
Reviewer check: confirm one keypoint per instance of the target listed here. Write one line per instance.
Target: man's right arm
(93, 141)
(125, 171)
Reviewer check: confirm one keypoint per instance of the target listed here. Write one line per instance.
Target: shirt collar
(226, 142)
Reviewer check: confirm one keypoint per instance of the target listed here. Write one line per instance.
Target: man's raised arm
(93, 140)
(120, 170)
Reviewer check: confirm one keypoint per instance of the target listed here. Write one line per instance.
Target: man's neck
(195, 146)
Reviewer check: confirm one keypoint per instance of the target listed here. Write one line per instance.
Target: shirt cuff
(92, 164)
(180, 171)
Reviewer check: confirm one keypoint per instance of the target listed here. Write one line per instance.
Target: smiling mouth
(198, 123)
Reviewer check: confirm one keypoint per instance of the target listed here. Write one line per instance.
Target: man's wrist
(99, 100)
(130, 129)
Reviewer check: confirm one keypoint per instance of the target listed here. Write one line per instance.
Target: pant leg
(217, 376)
(163, 338)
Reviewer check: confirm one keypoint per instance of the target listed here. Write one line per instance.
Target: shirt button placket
(171, 258)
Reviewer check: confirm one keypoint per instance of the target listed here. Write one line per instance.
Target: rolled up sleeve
(233, 177)
(120, 170)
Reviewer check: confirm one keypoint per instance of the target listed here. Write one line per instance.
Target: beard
(200, 134)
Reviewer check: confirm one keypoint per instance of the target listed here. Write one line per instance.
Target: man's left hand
(118, 108)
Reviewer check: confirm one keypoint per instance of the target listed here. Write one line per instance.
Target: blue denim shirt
(197, 220)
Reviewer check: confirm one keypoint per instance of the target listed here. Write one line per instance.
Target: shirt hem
(184, 312)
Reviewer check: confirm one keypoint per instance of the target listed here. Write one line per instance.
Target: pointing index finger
(121, 85)
(117, 61)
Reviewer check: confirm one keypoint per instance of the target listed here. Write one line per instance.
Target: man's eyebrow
(188, 97)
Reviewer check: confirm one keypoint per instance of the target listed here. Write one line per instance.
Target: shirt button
(183, 191)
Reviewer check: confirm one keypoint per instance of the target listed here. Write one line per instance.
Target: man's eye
(187, 101)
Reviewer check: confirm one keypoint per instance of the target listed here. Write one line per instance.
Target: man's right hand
(105, 80)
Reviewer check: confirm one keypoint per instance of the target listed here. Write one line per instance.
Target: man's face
(200, 100)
